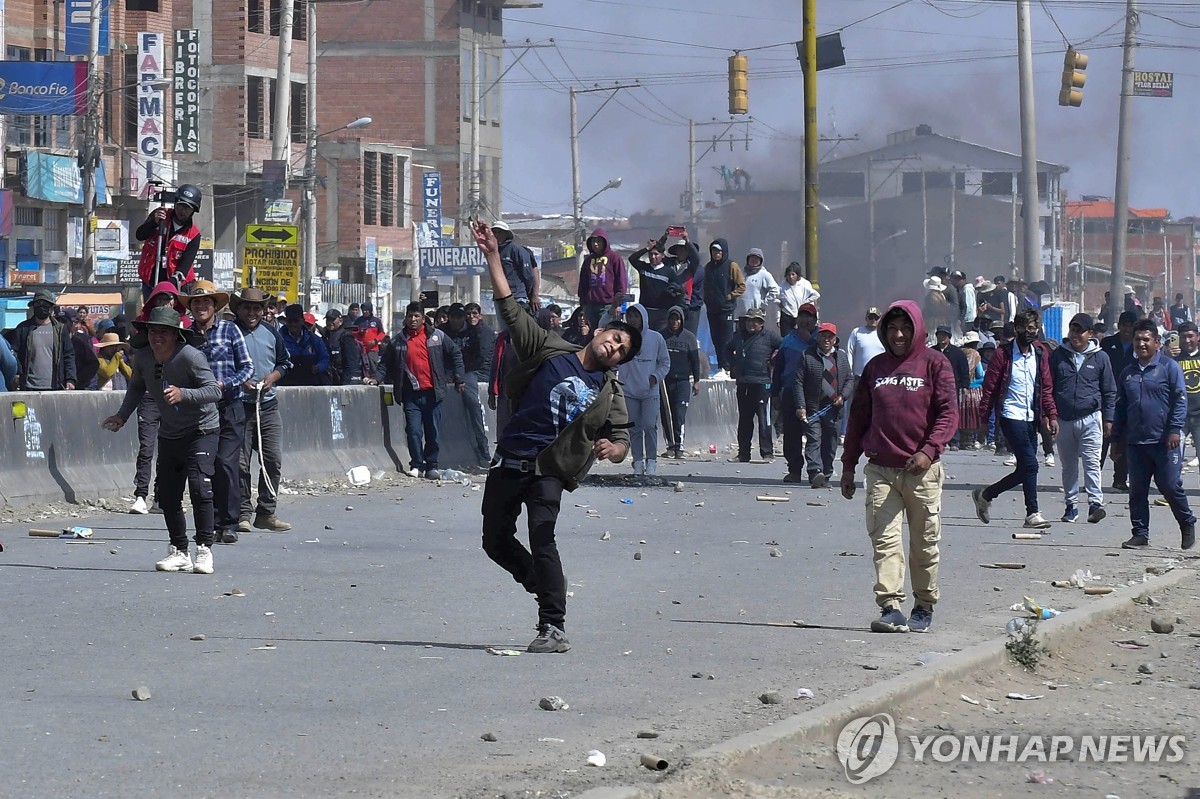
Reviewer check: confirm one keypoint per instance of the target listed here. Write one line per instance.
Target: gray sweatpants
(643, 415)
(1081, 439)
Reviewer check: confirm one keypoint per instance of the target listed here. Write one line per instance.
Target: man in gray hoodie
(178, 377)
(642, 378)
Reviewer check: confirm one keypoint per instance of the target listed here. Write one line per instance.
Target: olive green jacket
(569, 457)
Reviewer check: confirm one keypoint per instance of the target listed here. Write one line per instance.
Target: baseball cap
(755, 313)
(310, 319)
(808, 308)
(943, 329)
(958, 273)
(827, 327)
(1083, 320)
(500, 224)
(333, 313)
(457, 308)
(873, 311)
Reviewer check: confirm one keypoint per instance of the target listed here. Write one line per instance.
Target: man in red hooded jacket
(905, 412)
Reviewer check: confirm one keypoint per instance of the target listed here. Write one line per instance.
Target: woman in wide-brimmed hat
(114, 371)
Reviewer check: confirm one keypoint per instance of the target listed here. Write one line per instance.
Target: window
(299, 112)
(19, 53)
(1042, 180)
(43, 54)
(255, 122)
(387, 193)
(843, 184)
(370, 188)
(27, 217)
(130, 106)
(493, 97)
(938, 180)
(254, 16)
(141, 5)
(299, 20)
(55, 231)
(276, 16)
(464, 88)
(997, 184)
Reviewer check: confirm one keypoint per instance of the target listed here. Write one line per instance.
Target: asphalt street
(356, 662)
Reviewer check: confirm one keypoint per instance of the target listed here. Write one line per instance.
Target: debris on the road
(699, 505)
(1025, 697)
(845, 553)
(815, 504)
(775, 553)
(596, 758)
(679, 488)
(1027, 536)
(969, 700)
(1039, 778)
(141, 693)
(647, 734)
(553, 703)
(805, 693)
(1002, 565)
(508, 653)
(264, 648)
(626, 501)
(199, 637)
(654, 762)
(359, 476)
(607, 536)
(490, 737)
(1132, 644)
(1162, 626)
(1061, 584)
(770, 698)
(1098, 590)
(235, 592)
(1146, 668)
(870, 667)
(769, 498)
(313, 541)
(551, 741)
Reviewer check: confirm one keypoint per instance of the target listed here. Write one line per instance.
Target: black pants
(691, 320)
(720, 328)
(187, 460)
(148, 416)
(754, 405)
(679, 396)
(794, 431)
(822, 444)
(658, 318)
(227, 480)
(538, 568)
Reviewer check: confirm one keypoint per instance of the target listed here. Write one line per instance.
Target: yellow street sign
(275, 270)
(272, 234)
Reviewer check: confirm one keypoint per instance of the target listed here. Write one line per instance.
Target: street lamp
(948, 258)
(309, 200)
(580, 236)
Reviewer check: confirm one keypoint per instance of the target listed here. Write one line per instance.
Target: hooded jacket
(1083, 382)
(683, 348)
(902, 404)
(1151, 402)
(652, 359)
(761, 288)
(670, 282)
(602, 278)
(519, 263)
(723, 281)
(999, 374)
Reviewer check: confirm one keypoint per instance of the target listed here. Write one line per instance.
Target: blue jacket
(1081, 392)
(1151, 402)
(787, 363)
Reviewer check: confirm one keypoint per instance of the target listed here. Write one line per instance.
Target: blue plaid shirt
(228, 357)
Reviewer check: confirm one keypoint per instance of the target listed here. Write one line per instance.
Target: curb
(885, 695)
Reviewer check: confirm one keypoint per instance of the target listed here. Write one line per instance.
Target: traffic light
(739, 84)
(1073, 78)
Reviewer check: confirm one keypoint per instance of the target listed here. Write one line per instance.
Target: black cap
(457, 308)
(1083, 320)
(1127, 316)
(943, 329)
(333, 313)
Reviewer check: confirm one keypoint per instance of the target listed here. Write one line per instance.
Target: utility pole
(691, 190)
(576, 192)
(91, 151)
(1116, 288)
(810, 142)
(281, 133)
(1029, 163)
(694, 160)
(310, 156)
(473, 280)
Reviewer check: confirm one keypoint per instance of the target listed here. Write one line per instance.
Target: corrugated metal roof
(935, 151)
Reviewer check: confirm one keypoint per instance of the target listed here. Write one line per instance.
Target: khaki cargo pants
(893, 494)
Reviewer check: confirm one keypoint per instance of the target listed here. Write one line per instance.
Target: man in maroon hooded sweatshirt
(904, 414)
(602, 277)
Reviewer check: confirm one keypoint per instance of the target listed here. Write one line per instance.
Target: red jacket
(183, 241)
(999, 373)
(902, 405)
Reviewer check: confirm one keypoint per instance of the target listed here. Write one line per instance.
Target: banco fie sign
(451, 261)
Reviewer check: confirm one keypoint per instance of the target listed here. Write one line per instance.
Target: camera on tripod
(162, 196)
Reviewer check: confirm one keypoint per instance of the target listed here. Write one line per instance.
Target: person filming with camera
(170, 240)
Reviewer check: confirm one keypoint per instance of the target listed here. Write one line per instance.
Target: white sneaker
(414, 473)
(1194, 462)
(1050, 460)
(1034, 521)
(139, 506)
(651, 467)
(203, 563)
(175, 561)
(1011, 460)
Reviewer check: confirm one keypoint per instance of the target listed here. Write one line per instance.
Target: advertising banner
(151, 135)
(185, 92)
(79, 27)
(43, 87)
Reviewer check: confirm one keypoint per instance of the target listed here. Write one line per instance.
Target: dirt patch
(1088, 684)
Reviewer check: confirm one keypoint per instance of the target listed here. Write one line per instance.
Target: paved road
(355, 663)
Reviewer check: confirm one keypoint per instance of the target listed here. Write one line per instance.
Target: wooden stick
(36, 533)
(768, 498)
(1027, 536)
(1097, 590)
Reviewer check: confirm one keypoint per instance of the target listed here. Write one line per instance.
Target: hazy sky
(949, 63)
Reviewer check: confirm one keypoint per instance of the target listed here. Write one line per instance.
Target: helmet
(187, 193)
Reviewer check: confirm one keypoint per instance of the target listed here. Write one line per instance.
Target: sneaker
(414, 472)
(1096, 514)
(1072, 515)
(1187, 536)
(680, 455)
(792, 477)
(1120, 485)
(1011, 460)
(891, 620)
(739, 459)
(433, 474)
(1136, 542)
(639, 468)
(244, 525)
(819, 481)
(1162, 503)
(271, 522)
(156, 508)
(227, 537)
(139, 506)
(1034, 521)
(977, 446)
(669, 452)
(921, 619)
(549, 639)
(1194, 462)
(1050, 459)
(982, 506)
(651, 468)
(175, 561)
(204, 562)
